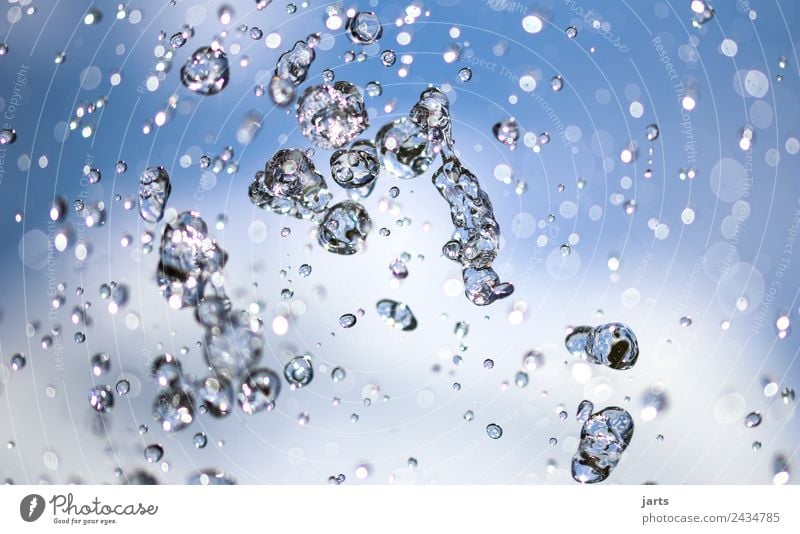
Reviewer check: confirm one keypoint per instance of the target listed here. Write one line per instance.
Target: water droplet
(173, 409)
(165, 370)
(330, 116)
(344, 228)
(780, 469)
(557, 83)
(396, 315)
(123, 387)
(571, 32)
(507, 132)
(211, 477)
(200, 440)
(604, 437)
(752, 420)
(533, 360)
(101, 398)
(388, 57)
(153, 453)
(364, 28)
(189, 256)
(258, 391)
(347, 320)
(100, 363)
(654, 401)
(290, 185)
(7, 136)
(216, 394)
(299, 371)
(521, 379)
(206, 72)
(338, 374)
(613, 345)
(235, 346)
(154, 191)
(465, 74)
(404, 149)
(355, 169)
(585, 409)
(651, 132)
(494, 431)
(18, 361)
(398, 269)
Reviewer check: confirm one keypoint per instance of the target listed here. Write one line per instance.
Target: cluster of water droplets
(476, 238)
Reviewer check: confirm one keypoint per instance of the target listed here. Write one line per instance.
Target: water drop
(299, 371)
(347, 320)
(206, 72)
(494, 431)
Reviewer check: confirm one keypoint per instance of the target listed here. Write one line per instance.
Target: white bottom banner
(390, 509)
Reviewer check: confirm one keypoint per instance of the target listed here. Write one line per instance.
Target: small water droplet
(494, 431)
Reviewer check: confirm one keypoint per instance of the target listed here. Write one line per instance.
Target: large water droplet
(290, 71)
(404, 149)
(206, 72)
(234, 347)
(344, 228)
(364, 27)
(154, 191)
(355, 169)
(188, 257)
(299, 371)
(290, 185)
(604, 437)
(330, 116)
